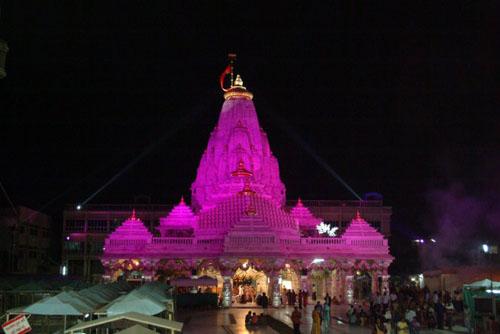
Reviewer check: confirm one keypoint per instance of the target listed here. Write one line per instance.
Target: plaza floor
(232, 321)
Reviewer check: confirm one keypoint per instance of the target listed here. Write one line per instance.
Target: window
(97, 226)
(73, 247)
(75, 225)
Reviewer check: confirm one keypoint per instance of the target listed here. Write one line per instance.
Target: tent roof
(131, 316)
(137, 329)
(136, 303)
(485, 283)
(54, 306)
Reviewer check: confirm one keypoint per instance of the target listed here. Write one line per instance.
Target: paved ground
(229, 321)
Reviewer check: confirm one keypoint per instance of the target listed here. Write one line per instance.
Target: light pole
(488, 249)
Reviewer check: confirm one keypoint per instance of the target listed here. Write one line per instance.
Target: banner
(17, 325)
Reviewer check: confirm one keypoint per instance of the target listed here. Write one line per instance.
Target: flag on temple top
(223, 75)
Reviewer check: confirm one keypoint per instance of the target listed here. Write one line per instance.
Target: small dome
(181, 216)
(303, 215)
(360, 229)
(131, 229)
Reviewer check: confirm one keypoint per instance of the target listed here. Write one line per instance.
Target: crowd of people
(406, 310)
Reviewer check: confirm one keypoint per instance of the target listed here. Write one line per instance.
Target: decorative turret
(303, 215)
(181, 221)
(131, 229)
(360, 229)
(236, 138)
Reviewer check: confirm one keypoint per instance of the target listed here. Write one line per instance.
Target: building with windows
(238, 228)
(26, 241)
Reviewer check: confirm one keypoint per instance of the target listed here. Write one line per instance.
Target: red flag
(223, 75)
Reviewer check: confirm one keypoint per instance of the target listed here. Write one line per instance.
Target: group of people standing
(321, 316)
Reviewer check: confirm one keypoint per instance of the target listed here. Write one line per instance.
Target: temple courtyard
(232, 320)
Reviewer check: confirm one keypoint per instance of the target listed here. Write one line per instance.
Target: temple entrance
(248, 284)
(362, 285)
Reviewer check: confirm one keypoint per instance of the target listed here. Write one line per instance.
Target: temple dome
(131, 229)
(180, 217)
(303, 215)
(360, 229)
(237, 137)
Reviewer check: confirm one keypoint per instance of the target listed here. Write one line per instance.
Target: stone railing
(194, 245)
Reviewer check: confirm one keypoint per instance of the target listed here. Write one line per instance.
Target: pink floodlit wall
(237, 137)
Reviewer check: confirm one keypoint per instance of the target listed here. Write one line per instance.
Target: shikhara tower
(238, 222)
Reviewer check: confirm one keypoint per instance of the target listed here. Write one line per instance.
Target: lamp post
(488, 249)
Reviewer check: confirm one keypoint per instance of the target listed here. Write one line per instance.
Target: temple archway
(248, 284)
(362, 285)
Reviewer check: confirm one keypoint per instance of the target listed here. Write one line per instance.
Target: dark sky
(397, 97)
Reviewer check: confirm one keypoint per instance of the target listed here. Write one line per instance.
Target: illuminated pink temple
(237, 223)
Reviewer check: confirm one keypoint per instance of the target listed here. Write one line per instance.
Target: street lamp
(488, 249)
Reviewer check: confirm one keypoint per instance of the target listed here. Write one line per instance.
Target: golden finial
(238, 82)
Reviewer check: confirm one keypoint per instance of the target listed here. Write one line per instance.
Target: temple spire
(133, 217)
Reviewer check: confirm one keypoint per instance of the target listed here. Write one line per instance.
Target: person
(314, 296)
(316, 317)
(388, 321)
(296, 315)
(439, 308)
(326, 317)
(328, 300)
(255, 319)
(363, 317)
(319, 307)
(379, 327)
(305, 296)
(351, 315)
(415, 326)
(301, 299)
(248, 318)
(264, 301)
(449, 310)
(402, 326)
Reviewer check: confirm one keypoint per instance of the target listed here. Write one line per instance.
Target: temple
(238, 229)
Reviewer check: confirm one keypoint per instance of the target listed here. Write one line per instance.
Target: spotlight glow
(78, 207)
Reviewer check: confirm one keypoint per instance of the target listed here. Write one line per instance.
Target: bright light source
(318, 261)
(245, 264)
(78, 207)
(87, 315)
(422, 241)
(64, 270)
(67, 238)
(433, 240)
(486, 248)
(495, 291)
(327, 229)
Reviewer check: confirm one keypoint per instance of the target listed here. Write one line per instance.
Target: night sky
(397, 97)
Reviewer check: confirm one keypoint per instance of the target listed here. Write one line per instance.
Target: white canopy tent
(485, 283)
(136, 302)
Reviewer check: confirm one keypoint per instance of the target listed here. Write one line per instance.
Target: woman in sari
(316, 325)
(326, 317)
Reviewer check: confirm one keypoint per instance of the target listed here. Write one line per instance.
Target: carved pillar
(275, 293)
(329, 282)
(349, 288)
(227, 291)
